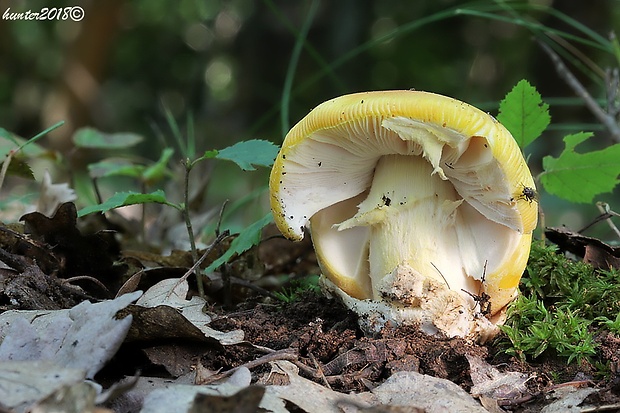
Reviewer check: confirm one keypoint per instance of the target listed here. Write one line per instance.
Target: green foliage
(246, 239)
(524, 113)
(148, 174)
(575, 177)
(121, 199)
(580, 177)
(298, 288)
(12, 164)
(562, 305)
(247, 154)
(612, 325)
(95, 139)
(159, 169)
(115, 167)
(11, 142)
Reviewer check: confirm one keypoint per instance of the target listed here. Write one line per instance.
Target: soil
(331, 350)
(316, 333)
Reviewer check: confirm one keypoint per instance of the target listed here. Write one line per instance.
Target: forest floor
(311, 340)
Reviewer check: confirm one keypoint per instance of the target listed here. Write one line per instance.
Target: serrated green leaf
(524, 113)
(248, 154)
(579, 177)
(246, 239)
(18, 167)
(94, 139)
(121, 199)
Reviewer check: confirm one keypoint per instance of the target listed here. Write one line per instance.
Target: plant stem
(188, 224)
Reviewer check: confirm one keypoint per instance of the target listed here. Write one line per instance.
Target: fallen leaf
(245, 400)
(431, 394)
(568, 399)
(22, 383)
(177, 358)
(308, 395)
(594, 251)
(171, 293)
(490, 382)
(75, 398)
(180, 398)
(81, 254)
(84, 337)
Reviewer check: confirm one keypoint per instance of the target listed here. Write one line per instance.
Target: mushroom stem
(412, 214)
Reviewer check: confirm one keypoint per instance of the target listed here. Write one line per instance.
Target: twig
(319, 371)
(285, 354)
(88, 278)
(603, 408)
(606, 119)
(193, 268)
(220, 217)
(251, 286)
(612, 79)
(517, 401)
(604, 208)
(606, 214)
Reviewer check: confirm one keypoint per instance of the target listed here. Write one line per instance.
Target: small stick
(319, 371)
(603, 117)
(284, 354)
(88, 278)
(606, 214)
(194, 267)
(605, 210)
(603, 408)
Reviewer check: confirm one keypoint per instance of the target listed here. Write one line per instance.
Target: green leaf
(18, 167)
(524, 113)
(94, 139)
(580, 177)
(121, 199)
(115, 167)
(248, 154)
(246, 239)
(158, 170)
(210, 154)
(124, 167)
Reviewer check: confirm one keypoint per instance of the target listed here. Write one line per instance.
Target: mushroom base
(422, 301)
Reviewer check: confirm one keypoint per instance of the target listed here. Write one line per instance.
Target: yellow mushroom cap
(459, 193)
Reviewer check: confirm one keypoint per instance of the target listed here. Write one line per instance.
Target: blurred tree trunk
(74, 97)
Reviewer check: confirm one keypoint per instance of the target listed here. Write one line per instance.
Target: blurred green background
(244, 69)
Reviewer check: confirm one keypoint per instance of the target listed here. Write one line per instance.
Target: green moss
(563, 305)
(298, 288)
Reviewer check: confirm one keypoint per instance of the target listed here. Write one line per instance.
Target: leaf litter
(65, 344)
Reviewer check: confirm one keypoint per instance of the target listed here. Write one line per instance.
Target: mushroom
(420, 208)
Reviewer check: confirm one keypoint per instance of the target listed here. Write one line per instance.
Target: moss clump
(563, 305)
